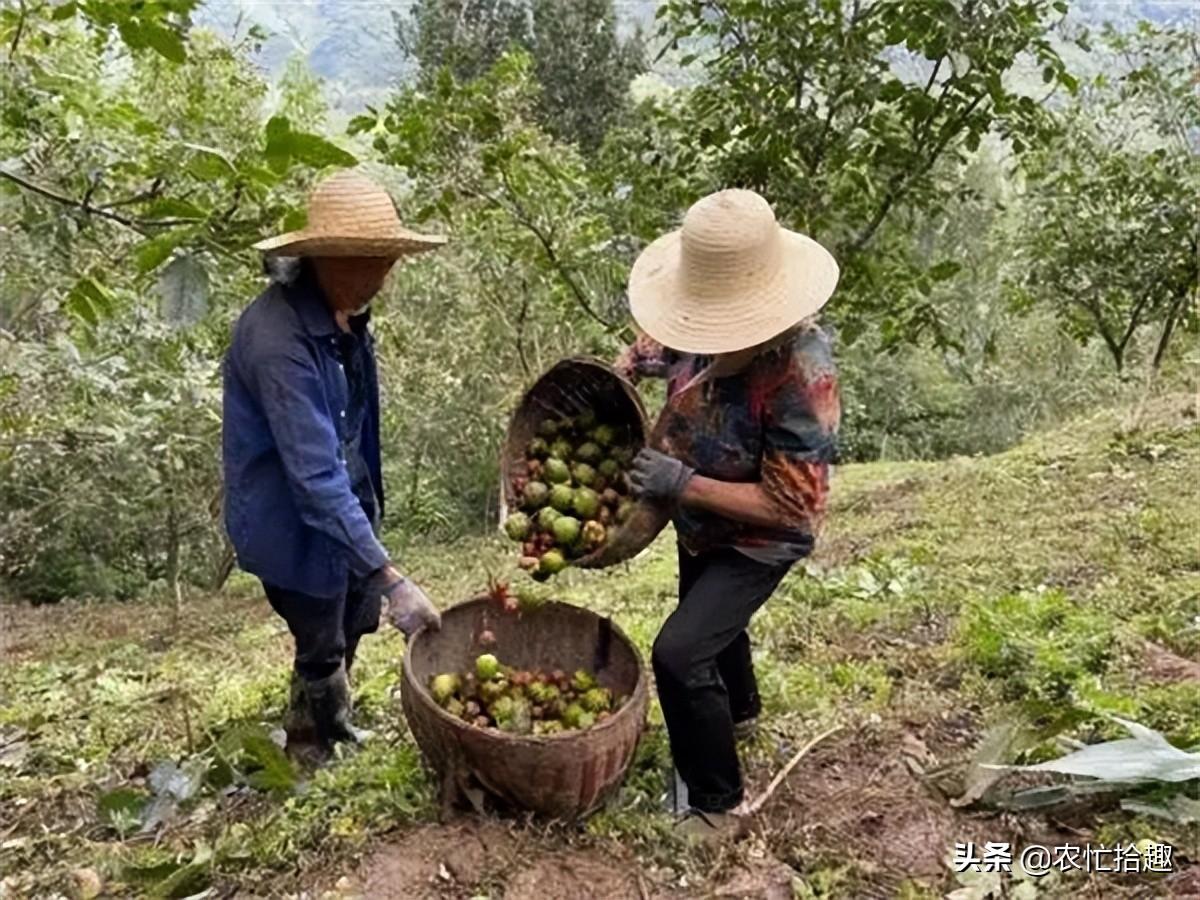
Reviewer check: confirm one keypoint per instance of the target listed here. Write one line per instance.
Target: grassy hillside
(1043, 588)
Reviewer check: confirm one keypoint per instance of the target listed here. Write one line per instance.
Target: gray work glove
(659, 478)
(406, 605)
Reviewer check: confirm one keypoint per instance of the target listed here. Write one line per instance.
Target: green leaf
(183, 287)
(295, 220)
(944, 270)
(277, 773)
(285, 146)
(314, 150)
(166, 42)
(121, 809)
(89, 302)
(66, 11)
(151, 253)
(209, 162)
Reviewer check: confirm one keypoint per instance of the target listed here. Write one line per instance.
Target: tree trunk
(172, 566)
(1164, 339)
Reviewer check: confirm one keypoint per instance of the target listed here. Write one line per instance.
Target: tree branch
(899, 182)
(17, 33)
(138, 225)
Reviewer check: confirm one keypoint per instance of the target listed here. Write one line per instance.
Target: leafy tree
(1113, 212)
(534, 273)
(465, 36)
(130, 200)
(583, 66)
(813, 104)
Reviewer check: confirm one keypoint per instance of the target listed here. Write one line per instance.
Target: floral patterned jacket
(775, 422)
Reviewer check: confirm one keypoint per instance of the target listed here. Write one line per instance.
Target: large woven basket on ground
(566, 389)
(561, 776)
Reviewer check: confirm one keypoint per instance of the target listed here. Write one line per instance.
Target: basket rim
(637, 698)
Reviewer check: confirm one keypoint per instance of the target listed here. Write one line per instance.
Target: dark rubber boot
(304, 744)
(329, 700)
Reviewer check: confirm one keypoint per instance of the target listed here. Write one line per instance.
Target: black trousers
(704, 673)
(326, 629)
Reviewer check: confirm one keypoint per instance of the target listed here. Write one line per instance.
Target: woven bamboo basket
(563, 776)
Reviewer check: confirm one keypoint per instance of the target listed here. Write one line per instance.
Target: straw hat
(350, 215)
(730, 279)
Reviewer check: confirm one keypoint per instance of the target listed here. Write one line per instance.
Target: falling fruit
(552, 562)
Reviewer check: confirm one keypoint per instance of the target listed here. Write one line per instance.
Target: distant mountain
(352, 43)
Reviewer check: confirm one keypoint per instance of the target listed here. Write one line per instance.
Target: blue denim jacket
(289, 507)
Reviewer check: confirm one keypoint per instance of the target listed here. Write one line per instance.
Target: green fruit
(583, 474)
(543, 694)
(624, 511)
(566, 530)
(538, 448)
(585, 420)
(585, 502)
(517, 526)
(455, 707)
(548, 428)
(582, 681)
(560, 449)
(597, 700)
(557, 471)
(562, 498)
(623, 456)
(572, 714)
(594, 534)
(604, 435)
(512, 714)
(547, 728)
(587, 720)
(487, 667)
(588, 453)
(552, 562)
(491, 691)
(535, 495)
(547, 516)
(444, 686)
(610, 468)
(530, 598)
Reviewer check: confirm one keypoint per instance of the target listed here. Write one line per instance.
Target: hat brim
(309, 243)
(767, 306)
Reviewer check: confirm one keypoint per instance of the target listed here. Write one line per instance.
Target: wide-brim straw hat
(731, 278)
(350, 215)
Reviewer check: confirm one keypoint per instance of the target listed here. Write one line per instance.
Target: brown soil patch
(857, 799)
(487, 856)
(1160, 664)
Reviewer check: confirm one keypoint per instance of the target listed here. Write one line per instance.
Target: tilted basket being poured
(570, 388)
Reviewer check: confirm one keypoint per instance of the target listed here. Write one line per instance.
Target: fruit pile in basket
(573, 490)
(523, 702)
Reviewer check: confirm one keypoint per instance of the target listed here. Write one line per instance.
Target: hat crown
(728, 237)
(350, 203)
